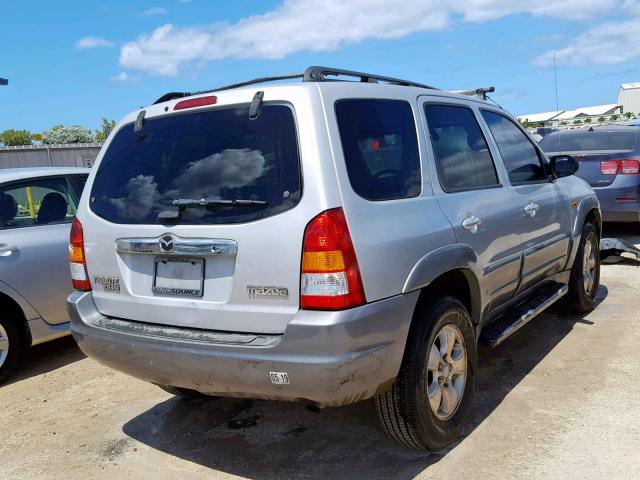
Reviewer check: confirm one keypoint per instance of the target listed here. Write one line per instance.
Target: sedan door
(483, 212)
(35, 217)
(544, 207)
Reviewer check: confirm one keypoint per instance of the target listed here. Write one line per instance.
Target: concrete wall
(65, 155)
(630, 100)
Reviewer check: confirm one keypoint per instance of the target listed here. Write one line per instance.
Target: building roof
(629, 86)
(588, 111)
(540, 117)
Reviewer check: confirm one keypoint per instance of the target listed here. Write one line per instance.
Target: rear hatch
(591, 149)
(193, 220)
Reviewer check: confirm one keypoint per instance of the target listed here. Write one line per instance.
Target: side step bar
(511, 323)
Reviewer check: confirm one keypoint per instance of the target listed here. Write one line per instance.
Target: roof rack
(480, 92)
(311, 74)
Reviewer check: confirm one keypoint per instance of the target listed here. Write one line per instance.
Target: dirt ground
(559, 399)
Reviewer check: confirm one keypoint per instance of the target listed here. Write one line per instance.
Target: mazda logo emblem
(166, 243)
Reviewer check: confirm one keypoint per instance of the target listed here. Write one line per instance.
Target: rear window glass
(584, 141)
(380, 148)
(219, 154)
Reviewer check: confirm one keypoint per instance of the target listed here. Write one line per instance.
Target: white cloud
(299, 25)
(154, 11)
(121, 77)
(93, 42)
(606, 44)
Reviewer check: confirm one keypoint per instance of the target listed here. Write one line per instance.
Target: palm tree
(614, 117)
(577, 122)
(602, 120)
(587, 120)
(628, 115)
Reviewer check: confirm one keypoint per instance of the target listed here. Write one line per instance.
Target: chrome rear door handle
(6, 250)
(471, 223)
(531, 209)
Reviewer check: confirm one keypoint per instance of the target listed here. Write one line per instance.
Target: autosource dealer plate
(178, 277)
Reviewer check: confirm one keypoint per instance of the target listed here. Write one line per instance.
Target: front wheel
(428, 403)
(585, 273)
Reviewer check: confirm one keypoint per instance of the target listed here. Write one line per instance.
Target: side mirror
(564, 165)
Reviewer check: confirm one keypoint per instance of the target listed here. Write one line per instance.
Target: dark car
(610, 161)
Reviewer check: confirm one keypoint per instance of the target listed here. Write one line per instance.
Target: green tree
(525, 123)
(628, 115)
(13, 137)
(577, 122)
(602, 120)
(614, 117)
(587, 120)
(62, 134)
(105, 129)
(564, 123)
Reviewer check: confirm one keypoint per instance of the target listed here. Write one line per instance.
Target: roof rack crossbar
(319, 74)
(480, 92)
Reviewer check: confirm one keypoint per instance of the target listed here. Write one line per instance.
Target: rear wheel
(11, 347)
(585, 273)
(427, 405)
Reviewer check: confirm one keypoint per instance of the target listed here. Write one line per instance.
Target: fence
(62, 155)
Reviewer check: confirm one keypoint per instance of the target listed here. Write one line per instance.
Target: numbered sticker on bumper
(279, 378)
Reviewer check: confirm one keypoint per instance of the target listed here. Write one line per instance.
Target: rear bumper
(616, 200)
(332, 358)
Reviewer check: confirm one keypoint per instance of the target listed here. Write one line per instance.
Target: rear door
(544, 210)
(481, 208)
(35, 217)
(162, 245)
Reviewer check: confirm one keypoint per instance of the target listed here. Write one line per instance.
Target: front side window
(207, 159)
(380, 148)
(462, 155)
(37, 202)
(518, 154)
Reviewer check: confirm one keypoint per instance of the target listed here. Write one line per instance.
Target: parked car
(326, 240)
(609, 160)
(37, 206)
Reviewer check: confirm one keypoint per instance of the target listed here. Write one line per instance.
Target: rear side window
(42, 201)
(380, 148)
(462, 155)
(519, 155)
(585, 141)
(219, 154)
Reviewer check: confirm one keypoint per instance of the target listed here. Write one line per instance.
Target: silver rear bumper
(332, 358)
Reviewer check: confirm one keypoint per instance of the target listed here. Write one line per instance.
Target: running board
(509, 324)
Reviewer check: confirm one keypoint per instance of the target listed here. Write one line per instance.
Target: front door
(544, 207)
(483, 211)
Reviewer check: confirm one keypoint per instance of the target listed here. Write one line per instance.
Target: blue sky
(72, 62)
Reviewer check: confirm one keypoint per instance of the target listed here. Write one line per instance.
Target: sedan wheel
(4, 346)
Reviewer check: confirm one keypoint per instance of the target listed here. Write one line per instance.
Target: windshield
(219, 154)
(585, 141)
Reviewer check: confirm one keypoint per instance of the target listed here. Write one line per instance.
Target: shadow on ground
(262, 439)
(46, 358)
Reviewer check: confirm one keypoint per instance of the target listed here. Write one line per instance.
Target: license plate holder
(178, 277)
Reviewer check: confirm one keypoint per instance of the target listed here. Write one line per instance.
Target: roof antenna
(256, 105)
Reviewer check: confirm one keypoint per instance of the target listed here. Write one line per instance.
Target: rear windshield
(583, 141)
(219, 154)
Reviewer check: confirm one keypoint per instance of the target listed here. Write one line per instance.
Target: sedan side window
(37, 202)
(462, 156)
(520, 157)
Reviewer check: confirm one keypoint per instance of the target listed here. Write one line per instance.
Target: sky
(73, 62)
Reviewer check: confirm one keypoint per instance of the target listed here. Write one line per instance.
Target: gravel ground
(559, 399)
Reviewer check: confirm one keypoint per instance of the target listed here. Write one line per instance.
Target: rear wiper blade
(184, 203)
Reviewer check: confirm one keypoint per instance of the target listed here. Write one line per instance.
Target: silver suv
(326, 240)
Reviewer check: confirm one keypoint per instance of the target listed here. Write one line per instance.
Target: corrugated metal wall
(65, 155)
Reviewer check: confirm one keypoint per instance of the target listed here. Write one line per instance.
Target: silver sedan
(37, 206)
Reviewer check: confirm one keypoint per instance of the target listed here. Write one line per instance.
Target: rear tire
(185, 393)
(11, 347)
(585, 273)
(427, 405)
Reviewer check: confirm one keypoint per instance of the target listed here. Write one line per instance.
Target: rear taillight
(626, 167)
(330, 276)
(77, 261)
